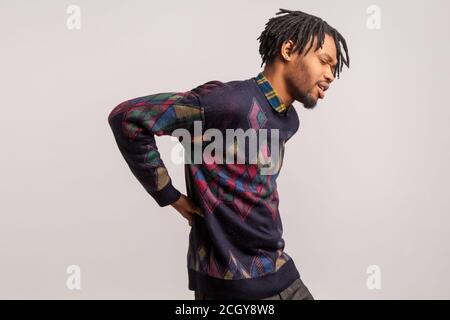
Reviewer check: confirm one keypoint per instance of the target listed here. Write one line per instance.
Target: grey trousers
(296, 291)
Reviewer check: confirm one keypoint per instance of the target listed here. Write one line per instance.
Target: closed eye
(326, 59)
(333, 67)
(326, 62)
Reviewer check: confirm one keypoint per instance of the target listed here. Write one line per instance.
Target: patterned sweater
(236, 249)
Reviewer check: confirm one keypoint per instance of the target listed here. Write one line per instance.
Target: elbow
(119, 109)
(115, 117)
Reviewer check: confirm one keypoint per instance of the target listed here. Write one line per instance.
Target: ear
(286, 50)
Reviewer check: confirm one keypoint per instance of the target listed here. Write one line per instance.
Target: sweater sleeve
(135, 123)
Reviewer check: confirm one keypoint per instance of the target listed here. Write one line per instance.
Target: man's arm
(135, 123)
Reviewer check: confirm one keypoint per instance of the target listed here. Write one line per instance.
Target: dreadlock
(299, 27)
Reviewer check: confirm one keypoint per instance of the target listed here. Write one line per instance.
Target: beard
(307, 99)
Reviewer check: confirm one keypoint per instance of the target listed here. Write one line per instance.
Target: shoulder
(223, 103)
(217, 91)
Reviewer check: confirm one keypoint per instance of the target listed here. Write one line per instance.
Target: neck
(277, 82)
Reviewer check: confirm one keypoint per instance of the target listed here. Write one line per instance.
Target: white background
(365, 180)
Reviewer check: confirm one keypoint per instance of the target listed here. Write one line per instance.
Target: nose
(329, 76)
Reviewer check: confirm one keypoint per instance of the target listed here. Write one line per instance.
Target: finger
(199, 212)
(188, 216)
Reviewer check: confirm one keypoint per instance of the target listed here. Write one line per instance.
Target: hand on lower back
(187, 208)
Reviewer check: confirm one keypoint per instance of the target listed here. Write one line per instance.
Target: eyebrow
(328, 57)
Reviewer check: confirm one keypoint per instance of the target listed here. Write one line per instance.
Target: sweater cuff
(166, 195)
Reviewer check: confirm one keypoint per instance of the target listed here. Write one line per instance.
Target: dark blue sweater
(236, 249)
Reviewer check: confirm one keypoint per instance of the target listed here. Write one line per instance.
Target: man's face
(308, 76)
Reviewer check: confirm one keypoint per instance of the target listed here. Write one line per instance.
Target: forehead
(328, 48)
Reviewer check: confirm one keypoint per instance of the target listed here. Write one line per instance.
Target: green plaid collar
(270, 93)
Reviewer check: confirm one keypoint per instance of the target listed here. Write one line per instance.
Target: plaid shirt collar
(271, 95)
